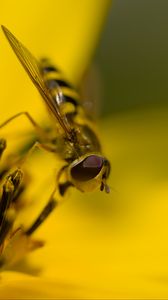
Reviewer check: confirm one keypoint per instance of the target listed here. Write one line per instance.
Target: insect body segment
(61, 90)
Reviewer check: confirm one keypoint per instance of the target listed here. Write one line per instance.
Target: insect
(73, 137)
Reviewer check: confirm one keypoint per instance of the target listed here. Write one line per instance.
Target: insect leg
(19, 158)
(29, 117)
(63, 187)
(51, 204)
(36, 145)
(43, 215)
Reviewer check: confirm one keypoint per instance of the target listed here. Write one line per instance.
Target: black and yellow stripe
(55, 81)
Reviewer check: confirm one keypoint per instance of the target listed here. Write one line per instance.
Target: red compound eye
(88, 169)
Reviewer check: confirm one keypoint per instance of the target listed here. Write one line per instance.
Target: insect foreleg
(43, 215)
(22, 155)
(36, 145)
(38, 129)
(51, 204)
(62, 187)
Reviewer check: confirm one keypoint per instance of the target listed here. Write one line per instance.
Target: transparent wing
(91, 91)
(31, 65)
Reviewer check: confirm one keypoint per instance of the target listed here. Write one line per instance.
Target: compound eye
(88, 169)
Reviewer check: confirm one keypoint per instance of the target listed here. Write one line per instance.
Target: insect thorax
(85, 141)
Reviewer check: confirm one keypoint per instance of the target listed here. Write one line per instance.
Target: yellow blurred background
(97, 245)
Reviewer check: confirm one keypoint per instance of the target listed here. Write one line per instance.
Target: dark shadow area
(132, 56)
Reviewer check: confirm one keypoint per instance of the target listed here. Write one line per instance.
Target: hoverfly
(85, 167)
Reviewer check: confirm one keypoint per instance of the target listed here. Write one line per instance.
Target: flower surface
(96, 245)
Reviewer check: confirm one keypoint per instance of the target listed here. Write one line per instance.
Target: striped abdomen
(72, 109)
(57, 85)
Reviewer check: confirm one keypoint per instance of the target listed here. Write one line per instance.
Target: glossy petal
(67, 31)
(113, 246)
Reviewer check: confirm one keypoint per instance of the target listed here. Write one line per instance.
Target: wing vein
(31, 66)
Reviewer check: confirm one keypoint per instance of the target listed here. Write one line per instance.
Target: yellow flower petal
(118, 249)
(67, 32)
(19, 286)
